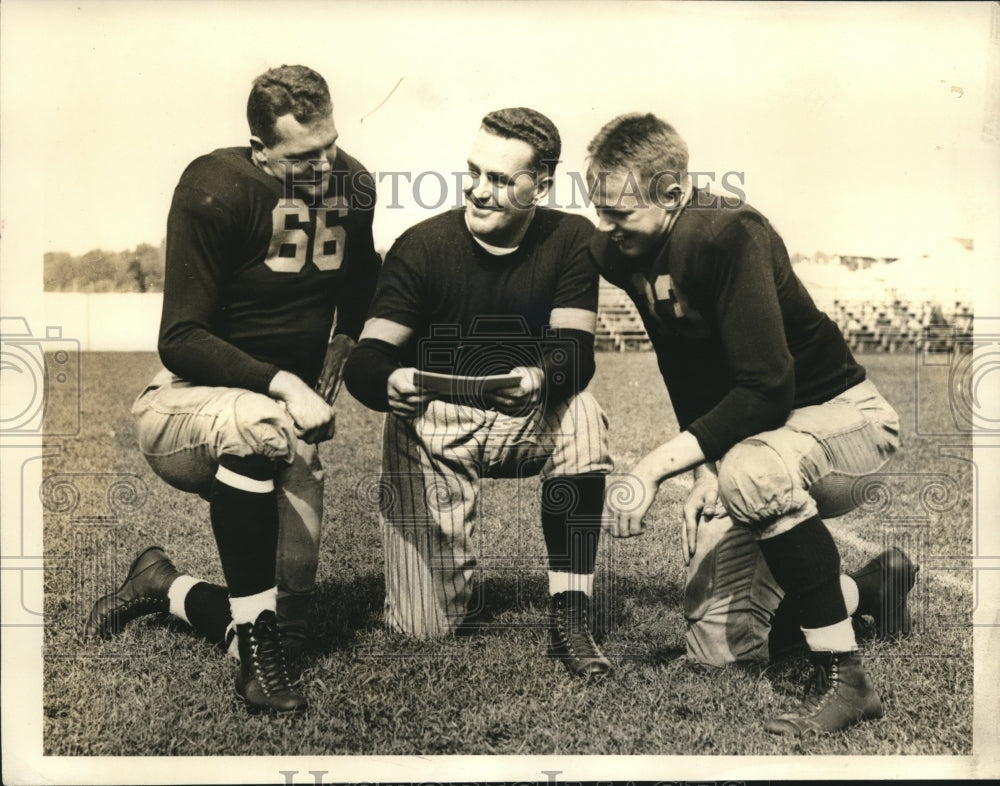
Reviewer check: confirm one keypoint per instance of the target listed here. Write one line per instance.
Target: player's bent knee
(719, 641)
(729, 596)
(587, 413)
(755, 485)
(259, 426)
(297, 557)
(297, 575)
(582, 438)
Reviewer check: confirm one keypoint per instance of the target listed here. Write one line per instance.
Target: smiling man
(265, 244)
(502, 286)
(777, 421)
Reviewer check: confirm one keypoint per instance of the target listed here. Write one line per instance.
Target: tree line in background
(141, 269)
(134, 270)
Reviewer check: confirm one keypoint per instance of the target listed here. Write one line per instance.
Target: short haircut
(286, 89)
(641, 144)
(531, 127)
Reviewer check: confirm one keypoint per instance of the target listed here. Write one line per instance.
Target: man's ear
(257, 149)
(670, 195)
(542, 186)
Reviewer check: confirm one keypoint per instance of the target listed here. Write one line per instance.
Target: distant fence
(106, 322)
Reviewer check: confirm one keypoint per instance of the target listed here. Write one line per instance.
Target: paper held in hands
(461, 386)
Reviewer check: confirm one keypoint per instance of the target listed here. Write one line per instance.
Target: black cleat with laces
(838, 695)
(144, 591)
(570, 639)
(262, 678)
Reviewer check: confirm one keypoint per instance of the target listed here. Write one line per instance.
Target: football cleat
(883, 584)
(883, 587)
(262, 678)
(838, 695)
(144, 591)
(570, 639)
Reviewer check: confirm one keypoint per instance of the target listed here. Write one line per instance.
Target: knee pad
(755, 484)
(297, 563)
(582, 439)
(261, 426)
(729, 596)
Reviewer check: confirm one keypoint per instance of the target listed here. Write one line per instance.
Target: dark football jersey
(477, 313)
(254, 278)
(738, 339)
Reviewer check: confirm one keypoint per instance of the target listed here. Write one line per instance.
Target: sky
(855, 128)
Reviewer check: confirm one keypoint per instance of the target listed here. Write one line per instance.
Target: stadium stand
(619, 327)
(901, 325)
(870, 325)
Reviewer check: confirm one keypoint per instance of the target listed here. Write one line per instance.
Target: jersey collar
(497, 251)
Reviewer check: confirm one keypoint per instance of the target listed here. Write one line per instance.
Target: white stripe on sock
(838, 637)
(561, 581)
(242, 482)
(177, 594)
(249, 607)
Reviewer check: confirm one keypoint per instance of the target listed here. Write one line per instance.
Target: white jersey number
(299, 236)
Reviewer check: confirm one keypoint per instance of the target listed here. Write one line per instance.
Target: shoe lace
(142, 601)
(574, 629)
(143, 604)
(269, 658)
(819, 687)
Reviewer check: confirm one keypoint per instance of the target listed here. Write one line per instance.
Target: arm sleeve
(364, 264)
(199, 239)
(568, 362)
(400, 289)
(367, 372)
(748, 317)
(372, 361)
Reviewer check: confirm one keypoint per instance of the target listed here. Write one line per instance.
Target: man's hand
(519, 400)
(313, 418)
(626, 501)
(701, 502)
(332, 375)
(406, 399)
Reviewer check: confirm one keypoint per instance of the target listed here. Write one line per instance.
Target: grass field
(159, 690)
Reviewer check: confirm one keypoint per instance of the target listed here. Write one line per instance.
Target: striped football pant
(768, 483)
(431, 469)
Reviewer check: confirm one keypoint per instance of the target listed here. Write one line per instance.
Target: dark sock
(806, 564)
(245, 524)
(571, 520)
(207, 608)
